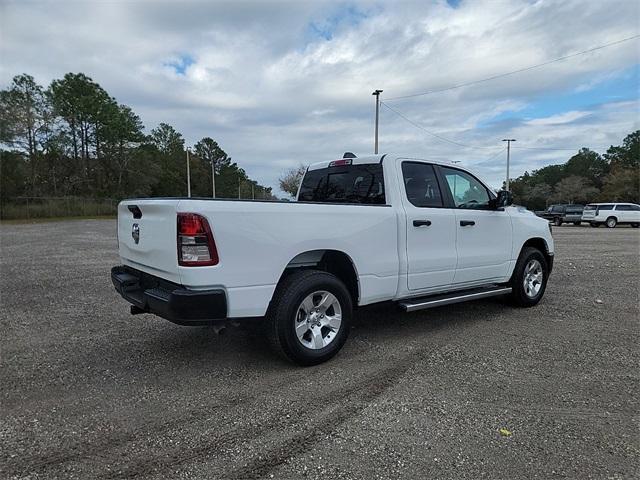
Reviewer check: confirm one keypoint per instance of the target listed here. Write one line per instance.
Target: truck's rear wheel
(529, 279)
(611, 222)
(309, 317)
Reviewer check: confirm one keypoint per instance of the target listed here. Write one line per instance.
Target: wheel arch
(336, 262)
(541, 244)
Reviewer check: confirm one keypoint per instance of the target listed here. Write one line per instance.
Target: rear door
(147, 236)
(628, 213)
(483, 235)
(430, 229)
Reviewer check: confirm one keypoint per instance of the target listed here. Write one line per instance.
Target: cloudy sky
(279, 83)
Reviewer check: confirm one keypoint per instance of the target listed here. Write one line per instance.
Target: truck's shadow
(247, 344)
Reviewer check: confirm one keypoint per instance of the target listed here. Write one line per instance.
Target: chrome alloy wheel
(318, 320)
(533, 276)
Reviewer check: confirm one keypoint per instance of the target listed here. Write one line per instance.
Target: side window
(625, 208)
(421, 184)
(635, 208)
(605, 207)
(466, 190)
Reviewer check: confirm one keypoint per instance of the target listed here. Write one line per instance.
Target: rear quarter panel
(256, 241)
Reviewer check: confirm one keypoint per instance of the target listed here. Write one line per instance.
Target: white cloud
(275, 92)
(561, 118)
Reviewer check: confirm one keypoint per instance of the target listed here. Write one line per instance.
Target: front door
(430, 229)
(484, 235)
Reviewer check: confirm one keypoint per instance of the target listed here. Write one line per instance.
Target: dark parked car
(563, 213)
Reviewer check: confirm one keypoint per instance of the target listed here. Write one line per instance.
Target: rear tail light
(196, 247)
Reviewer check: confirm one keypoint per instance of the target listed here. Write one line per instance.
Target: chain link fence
(20, 208)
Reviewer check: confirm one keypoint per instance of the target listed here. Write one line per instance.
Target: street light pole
(508, 140)
(376, 94)
(188, 176)
(213, 179)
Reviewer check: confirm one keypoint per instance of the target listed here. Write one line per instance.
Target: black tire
(518, 295)
(283, 314)
(557, 221)
(577, 224)
(635, 225)
(594, 224)
(611, 222)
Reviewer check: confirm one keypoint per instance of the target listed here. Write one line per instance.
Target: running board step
(439, 300)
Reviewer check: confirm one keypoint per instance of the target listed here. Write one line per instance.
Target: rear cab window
(342, 182)
(421, 185)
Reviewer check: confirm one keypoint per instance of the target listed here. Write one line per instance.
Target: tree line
(586, 177)
(74, 139)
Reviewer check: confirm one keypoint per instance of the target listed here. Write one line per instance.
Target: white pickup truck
(363, 230)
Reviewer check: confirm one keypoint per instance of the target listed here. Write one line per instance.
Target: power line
(493, 156)
(531, 67)
(417, 125)
(559, 149)
(453, 142)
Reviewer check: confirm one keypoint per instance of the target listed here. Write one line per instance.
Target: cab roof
(369, 159)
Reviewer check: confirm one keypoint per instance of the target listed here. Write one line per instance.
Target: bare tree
(290, 180)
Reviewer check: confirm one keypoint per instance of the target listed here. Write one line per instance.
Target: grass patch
(29, 221)
(27, 209)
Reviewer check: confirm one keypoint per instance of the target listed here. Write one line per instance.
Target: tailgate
(148, 243)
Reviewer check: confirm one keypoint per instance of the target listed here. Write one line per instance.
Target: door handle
(467, 223)
(421, 223)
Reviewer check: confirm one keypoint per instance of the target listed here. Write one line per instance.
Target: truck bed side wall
(257, 240)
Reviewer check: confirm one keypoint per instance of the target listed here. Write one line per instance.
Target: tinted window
(605, 207)
(635, 208)
(467, 191)
(623, 207)
(344, 184)
(557, 208)
(421, 185)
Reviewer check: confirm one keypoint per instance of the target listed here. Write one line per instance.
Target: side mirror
(505, 198)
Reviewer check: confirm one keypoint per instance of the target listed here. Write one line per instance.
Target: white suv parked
(612, 214)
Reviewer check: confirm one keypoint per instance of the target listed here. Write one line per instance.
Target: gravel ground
(89, 391)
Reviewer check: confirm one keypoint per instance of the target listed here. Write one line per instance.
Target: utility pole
(213, 179)
(376, 94)
(188, 176)
(508, 140)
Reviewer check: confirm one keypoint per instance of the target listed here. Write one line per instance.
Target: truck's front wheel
(529, 279)
(309, 316)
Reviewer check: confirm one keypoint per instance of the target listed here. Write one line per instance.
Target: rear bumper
(150, 294)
